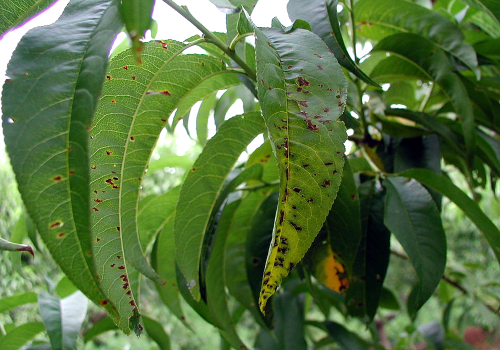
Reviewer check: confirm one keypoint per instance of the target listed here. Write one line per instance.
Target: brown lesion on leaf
(108, 77)
(326, 183)
(95, 209)
(282, 216)
(295, 226)
(57, 178)
(302, 81)
(125, 67)
(108, 152)
(114, 100)
(97, 200)
(55, 224)
(61, 235)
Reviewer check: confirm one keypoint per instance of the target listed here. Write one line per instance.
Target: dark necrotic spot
(121, 267)
(326, 183)
(296, 189)
(255, 261)
(302, 81)
(282, 216)
(295, 226)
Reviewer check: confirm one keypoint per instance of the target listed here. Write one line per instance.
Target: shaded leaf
(9, 303)
(102, 326)
(323, 17)
(59, 93)
(63, 318)
(302, 93)
(345, 338)
(413, 217)
(15, 13)
(490, 7)
(17, 337)
(157, 333)
(202, 186)
(136, 15)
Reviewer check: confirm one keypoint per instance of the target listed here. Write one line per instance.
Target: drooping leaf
(377, 19)
(345, 338)
(136, 15)
(444, 186)
(58, 94)
(9, 303)
(433, 60)
(490, 7)
(372, 259)
(15, 13)
(17, 337)
(396, 69)
(157, 333)
(102, 326)
(323, 17)
(63, 318)
(201, 188)
(135, 105)
(6, 245)
(413, 217)
(302, 93)
(215, 279)
(202, 118)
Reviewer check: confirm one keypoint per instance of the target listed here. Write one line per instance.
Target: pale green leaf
(15, 13)
(17, 337)
(9, 303)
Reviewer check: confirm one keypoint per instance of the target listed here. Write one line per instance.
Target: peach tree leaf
(13, 14)
(56, 74)
(302, 90)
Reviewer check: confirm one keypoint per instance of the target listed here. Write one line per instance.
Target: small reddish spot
(125, 286)
(353, 196)
(108, 77)
(310, 200)
(113, 101)
(163, 120)
(98, 200)
(72, 172)
(118, 257)
(335, 172)
(296, 189)
(321, 85)
(98, 239)
(282, 216)
(113, 265)
(329, 163)
(132, 138)
(95, 209)
(302, 81)
(103, 302)
(55, 224)
(95, 191)
(132, 302)
(289, 67)
(115, 178)
(329, 89)
(61, 235)
(165, 93)
(320, 67)
(125, 67)
(306, 165)
(121, 267)
(57, 178)
(326, 183)
(303, 103)
(118, 229)
(318, 55)
(326, 110)
(129, 292)
(93, 167)
(295, 226)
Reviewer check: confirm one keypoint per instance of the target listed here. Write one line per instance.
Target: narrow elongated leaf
(9, 303)
(63, 318)
(134, 107)
(378, 19)
(201, 188)
(444, 186)
(16, 338)
(432, 60)
(301, 88)
(136, 15)
(322, 15)
(156, 332)
(58, 94)
(345, 338)
(215, 279)
(396, 69)
(15, 13)
(490, 7)
(102, 326)
(413, 217)
(6, 245)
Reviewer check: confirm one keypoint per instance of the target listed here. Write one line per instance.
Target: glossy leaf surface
(15, 13)
(203, 185)
(302, 90)
(55, 75)
(413, 217)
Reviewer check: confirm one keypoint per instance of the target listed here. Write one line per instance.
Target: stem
(210, 37)
(237, 39)
(426, 99)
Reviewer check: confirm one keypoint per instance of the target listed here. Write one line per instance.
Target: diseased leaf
(134, 107)
(201, 188)
(444, 186)
(413, 217)
(6, 245)
(63, 318)
(15, 13)
(136, 15)
(17, 337)
(302, 89)
(323, 17)
(9, 303)
(55, 74)
(377, 19)
(432, 60)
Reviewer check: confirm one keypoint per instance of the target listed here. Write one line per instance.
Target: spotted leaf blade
(201, 188)
(135, 105)
(47, 105)
(302, 90)
(6, 245)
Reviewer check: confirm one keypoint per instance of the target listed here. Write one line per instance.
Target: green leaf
(345, 338)
(15, 13)
(232, 6)
(63, 318)
(156, 332)
(413, 217)
(58, 94)
(215, 279)
(388, 300)
(134, 107)
(222, 106)
(490, 7)
(65, 288)
(102, 326)
(17, 337)
(202, 118)
(434, 61)
(302, 89)
(377, 19)
(322, 15)
(136, 14)
(372, 259)
(444, 186)
(396, 69)
(9, 303)
(160, 214)
(201, 188)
